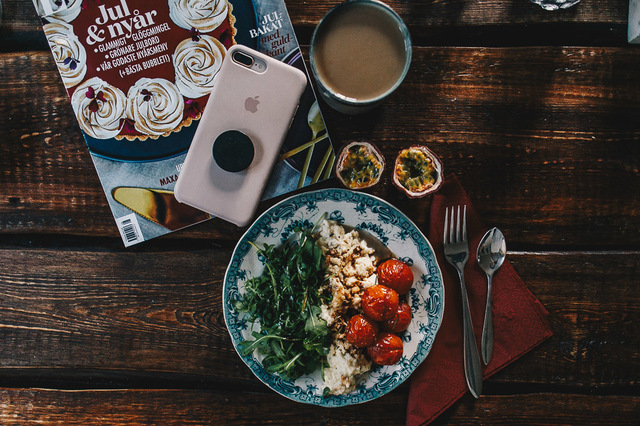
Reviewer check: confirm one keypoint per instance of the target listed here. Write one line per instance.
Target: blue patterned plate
(391, 227)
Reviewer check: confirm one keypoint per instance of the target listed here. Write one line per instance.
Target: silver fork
(456, 251)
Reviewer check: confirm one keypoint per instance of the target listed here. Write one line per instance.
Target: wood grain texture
(547, 147)
(143, 312)
(187, 407)
(536, 112)
(448, 22)
(416, 14)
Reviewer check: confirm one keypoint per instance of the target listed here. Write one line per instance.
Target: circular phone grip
(233, 151)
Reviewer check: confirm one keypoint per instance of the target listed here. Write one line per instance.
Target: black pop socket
(233, 151)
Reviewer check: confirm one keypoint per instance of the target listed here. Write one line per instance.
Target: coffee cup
(360, 52)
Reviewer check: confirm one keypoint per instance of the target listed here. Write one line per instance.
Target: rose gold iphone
(245, 121)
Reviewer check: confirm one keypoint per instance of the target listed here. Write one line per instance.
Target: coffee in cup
(360, 53)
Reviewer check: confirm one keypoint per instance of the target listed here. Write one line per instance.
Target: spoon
(491, 253)
(380, 251)
(314, 120)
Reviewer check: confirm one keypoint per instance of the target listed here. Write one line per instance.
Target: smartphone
(245, 122)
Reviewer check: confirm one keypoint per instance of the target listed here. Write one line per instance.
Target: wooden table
(538, 113)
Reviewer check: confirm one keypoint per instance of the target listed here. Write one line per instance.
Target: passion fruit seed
(359, 165)
(417, 171)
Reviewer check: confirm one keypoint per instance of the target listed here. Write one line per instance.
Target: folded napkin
(519, 320)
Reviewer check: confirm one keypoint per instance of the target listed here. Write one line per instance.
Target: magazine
(138, 74)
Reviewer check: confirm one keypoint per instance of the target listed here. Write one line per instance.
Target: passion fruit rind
(417, 171)
(360, 165)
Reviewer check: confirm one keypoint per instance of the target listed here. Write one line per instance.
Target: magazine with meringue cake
(138, 74)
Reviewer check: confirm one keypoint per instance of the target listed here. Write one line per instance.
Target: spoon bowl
(380, 251)
(492, 251)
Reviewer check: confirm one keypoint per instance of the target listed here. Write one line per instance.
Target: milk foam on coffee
(360, 52)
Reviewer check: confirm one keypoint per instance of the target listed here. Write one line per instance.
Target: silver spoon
(491, 253)
(380, 251)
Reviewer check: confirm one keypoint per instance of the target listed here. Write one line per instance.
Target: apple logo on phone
(251, 104)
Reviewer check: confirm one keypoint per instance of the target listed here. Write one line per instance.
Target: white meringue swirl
(196, 63)
(203, 15)
(69, 14)
(99, 107)
(68, 52)
(155, 106)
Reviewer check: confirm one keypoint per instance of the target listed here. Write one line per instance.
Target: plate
(389, 225)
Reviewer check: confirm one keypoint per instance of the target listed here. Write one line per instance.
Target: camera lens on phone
(243, 58)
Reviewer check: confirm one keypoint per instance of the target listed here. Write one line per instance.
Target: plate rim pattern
(284, 213)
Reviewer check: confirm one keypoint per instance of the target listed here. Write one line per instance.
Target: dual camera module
(248, 61)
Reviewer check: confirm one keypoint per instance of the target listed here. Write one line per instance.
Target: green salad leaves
(286, 299)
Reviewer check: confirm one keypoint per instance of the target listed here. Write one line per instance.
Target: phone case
(239, 136)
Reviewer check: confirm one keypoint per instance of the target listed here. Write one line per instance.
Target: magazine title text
(119, 21)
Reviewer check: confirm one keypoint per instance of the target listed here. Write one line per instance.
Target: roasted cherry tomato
(400, 322)
(362, 331)
(395, 274)
(387, 349)
(379, 302)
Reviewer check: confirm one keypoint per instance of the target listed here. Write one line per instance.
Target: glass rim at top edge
(407, 47)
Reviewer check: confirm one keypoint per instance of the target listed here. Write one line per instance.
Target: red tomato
(387, 349)
(400, 322)
(361, 331)
(379, 302)
(395, 274)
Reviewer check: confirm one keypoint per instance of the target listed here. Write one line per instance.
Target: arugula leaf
(286, 299)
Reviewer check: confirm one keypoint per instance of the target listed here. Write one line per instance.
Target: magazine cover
(139, 73)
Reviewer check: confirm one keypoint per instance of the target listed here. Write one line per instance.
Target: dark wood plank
(448, 23)
(233, 407)
(140, 312)
(417, 14)
(445, 22)
(169, 407)
(545, 141)
(545, 409)
(588, 296)
(144, 311)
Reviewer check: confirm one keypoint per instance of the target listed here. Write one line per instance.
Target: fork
(456, 251)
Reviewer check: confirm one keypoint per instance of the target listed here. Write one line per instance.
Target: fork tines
(460, 234)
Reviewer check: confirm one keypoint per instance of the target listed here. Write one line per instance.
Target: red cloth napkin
(519, 319)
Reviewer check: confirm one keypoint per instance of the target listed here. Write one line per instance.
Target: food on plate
(379, 302)
(350, 269)
(417, 171)
(360, 165)
(395, 274)
(400, 321)
(319, 308)
(387, 349)
(344, 365)
(362, 331)
(293, 337)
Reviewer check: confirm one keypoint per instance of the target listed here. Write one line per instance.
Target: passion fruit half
(417, 171)
(360, 165)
